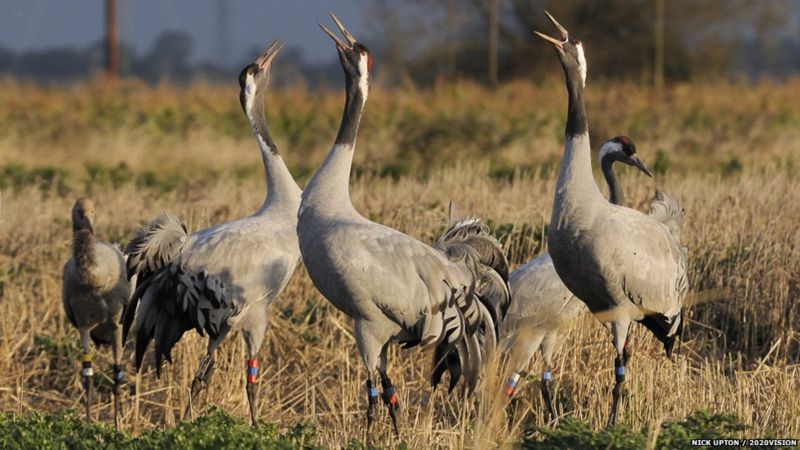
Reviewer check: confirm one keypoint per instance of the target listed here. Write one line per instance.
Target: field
(727, 150)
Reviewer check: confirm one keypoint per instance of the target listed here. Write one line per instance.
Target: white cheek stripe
(581, 63)
(363, 82)
(608, 147)
(249, 93)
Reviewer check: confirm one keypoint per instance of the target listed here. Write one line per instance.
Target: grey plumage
(95, 290)
(626, 266)
(155, 245)
(543, 306)
(470, 243)
(222, 278)
(394, 287)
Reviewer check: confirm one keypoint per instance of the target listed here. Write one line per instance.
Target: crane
(95, 291)
(394, 287)
(222, 278)
(543, 307)
(624, 265)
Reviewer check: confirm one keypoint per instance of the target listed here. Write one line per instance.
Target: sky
(39, 24)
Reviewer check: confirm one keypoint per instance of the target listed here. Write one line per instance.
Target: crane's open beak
(350, 39)
(564, 34)
(637, 162)
(265, 60)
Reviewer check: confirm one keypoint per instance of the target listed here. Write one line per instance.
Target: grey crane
(543, 307)
(394, 287)
(624, 265)
(222, 278)
(95, 291)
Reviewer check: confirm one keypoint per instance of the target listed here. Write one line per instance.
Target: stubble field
(727, 151)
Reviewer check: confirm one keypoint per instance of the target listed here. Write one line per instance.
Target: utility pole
(494, 13)
(658, 64)
(112, 40)
(223, 33)
(452, 37)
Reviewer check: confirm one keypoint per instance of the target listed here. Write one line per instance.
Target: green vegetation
(130, 133)
(218, 430)
(574, 434)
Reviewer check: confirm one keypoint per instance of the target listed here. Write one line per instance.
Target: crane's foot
(390, 399)
(547, 380)
(86, 373)
(619, 377)
(252, 377)
(201, 380)
(115, 389)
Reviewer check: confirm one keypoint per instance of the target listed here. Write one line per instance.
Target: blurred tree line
(422, 41)
(426, 40)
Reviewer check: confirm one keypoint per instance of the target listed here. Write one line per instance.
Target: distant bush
(732, 166)
(662, 163)
(17, 176)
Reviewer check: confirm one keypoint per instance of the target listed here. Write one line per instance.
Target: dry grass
(741, 347)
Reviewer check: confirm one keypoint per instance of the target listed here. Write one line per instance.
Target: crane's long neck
(328, 189)
(576, 185)
(615, 194)
(83, 243)
(282, 190)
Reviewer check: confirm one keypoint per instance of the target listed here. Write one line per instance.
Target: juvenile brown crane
(95, 291)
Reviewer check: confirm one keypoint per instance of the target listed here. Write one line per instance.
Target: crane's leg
(86, 371)
(252, 376)
(370, 349)
(620, 333)
(389, 394)
(548, 347)
(205, 370)
(524, 346)
(253, 339)
(116, 350)
(202, 377)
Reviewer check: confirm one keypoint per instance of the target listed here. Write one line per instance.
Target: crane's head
(254, 78)
(355, 57)
(83, 215)
(622, 149)
(570, 51)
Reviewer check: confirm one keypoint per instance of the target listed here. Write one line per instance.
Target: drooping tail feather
(470, 242)
(668, 211)
(168, 300)
(154, 247)
(174, 301)
(156, 244)
(666, 329)
(462, 353)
